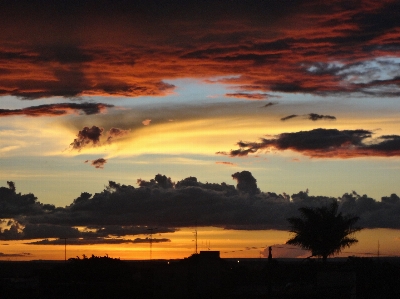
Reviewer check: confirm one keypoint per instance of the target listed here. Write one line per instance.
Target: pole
(151, 240)
(65, 249)
(195, 240)
(378, 248)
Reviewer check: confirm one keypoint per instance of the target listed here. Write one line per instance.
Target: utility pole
(195, 240)
(151, 240)
(378, 249)
(65, 248)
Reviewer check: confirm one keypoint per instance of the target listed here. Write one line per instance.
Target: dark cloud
(23, 254)
(115, 133)
(158, 205)
(152, 240)
(13, 204)
(246, 182)
(120, 211)
(291, 88)
(310, 116)
(57, 109)
(268, 104)
(159, 181)
(63, 54)
(118, 230)
(314, 117)
(87, 136)
(23, 229)
(289, 117)
(91, 241)
(98, 163)
(91, 137)
(325, 143)
(34, 231)
(26, 231)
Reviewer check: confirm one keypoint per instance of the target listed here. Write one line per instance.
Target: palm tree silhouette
(323, 230)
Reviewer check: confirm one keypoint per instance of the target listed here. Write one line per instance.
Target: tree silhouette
(323, 230)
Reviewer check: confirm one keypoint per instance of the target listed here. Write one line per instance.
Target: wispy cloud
(310, 116)
(226, 163)
(248, 96)
(57, 109)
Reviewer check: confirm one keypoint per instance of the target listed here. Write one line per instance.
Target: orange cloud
(146, 122)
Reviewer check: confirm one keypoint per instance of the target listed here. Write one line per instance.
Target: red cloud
(292, 47)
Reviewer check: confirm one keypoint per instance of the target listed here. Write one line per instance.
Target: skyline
(303, 95)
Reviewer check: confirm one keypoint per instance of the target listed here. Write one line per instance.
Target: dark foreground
(201, 276)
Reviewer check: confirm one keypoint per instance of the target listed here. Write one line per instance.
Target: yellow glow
(231, 244)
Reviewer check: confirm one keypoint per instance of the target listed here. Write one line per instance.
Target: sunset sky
(120, 116)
